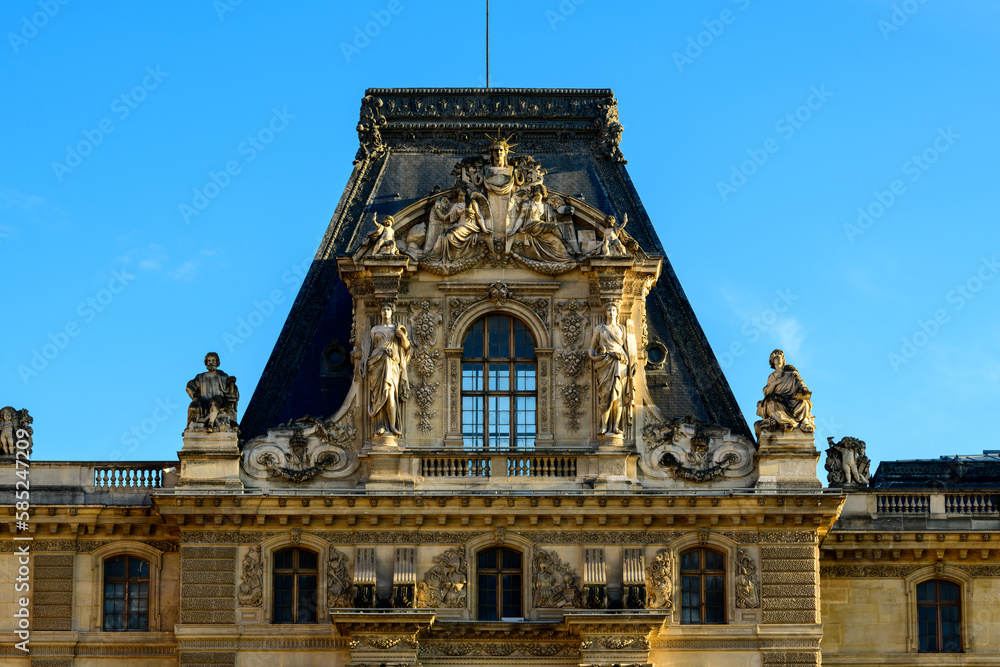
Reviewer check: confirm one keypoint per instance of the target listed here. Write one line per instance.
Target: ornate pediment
(305, 449)
(686, 449)
(499, 213)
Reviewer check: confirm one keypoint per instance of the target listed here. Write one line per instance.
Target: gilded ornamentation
(846, 463)
(787, 403)
(661, 584)
(251, 584)
(747, 584)
(555, 583)
(444, 585)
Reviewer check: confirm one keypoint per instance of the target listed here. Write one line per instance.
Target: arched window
(498, 385)
(295, 577)
(126, 594)
(939, 616)
(703, 586)
(499, 576)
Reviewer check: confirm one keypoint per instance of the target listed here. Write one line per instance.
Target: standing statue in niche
(386, 350)
(214, 398)
(787, 401)
(614, 368)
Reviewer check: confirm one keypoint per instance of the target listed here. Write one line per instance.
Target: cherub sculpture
(846, 463)
(383, 237)
(612, 245)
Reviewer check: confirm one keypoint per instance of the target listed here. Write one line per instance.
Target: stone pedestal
(385, 469)
(209, 459)
(616, 470)
(787, 460)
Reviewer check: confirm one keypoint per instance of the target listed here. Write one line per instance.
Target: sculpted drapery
(387, 352)
(614, 373)
(787, 401)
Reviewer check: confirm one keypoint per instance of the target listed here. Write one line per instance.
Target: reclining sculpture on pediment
(500, 213)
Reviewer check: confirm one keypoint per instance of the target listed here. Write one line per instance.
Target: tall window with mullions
(703, 587)
(295, 580)
(126, 594)
(499, 393)
(499, 584)
(939, 615)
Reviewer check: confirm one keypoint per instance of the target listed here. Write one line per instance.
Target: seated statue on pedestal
(214, 397)
(787, 401)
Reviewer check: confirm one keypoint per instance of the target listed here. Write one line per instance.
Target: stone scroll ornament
(661, 583)
(14, 426)
(555, 583)
(445, 584)
(685, 448)
(386, 352)
(214, 398)
(301, 450)
(747, 583)
(251, 584)
(787, 402)
(846, 463)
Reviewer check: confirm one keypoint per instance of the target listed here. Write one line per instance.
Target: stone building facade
(492, 432)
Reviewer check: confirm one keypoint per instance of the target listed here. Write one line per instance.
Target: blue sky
(755, 131)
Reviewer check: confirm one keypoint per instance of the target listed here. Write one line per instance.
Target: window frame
(127, 580)
(269, 547)
(952, 575)
(140, 550)
(295, 573)
(937, 604)
(702, 573)
(485, 393)
(499, 571)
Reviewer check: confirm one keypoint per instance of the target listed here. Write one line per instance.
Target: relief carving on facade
(15, 425)
(554, 582)
(687, 449)
(787, 402)
(661, 583)
(339, 587)
(846, 463)
(424, 362)
(445, 584)
(303, 449)
(214, 398)
(252, 581)
(571, 358)
(747, 581)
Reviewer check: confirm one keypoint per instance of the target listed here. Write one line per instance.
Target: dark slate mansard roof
(410, 141)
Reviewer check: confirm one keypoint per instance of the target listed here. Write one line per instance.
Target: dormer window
(499, 391)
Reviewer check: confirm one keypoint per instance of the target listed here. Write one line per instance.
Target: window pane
(114, 567)
(691, 599)
(307, 598)
(138, 568)
(524, 344)
(499, 379)
(472, 421)
(498, 436)
(511, 596)
(925, 592)
(472, 377)
(524, 377)
(307, 560)
(474, 341)
(283, 559)
(488, 559)
(690, 561)
(511, 559)
(488, 597)
(499, 336)
(713, 560)
(524, 437)
(949, 591)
